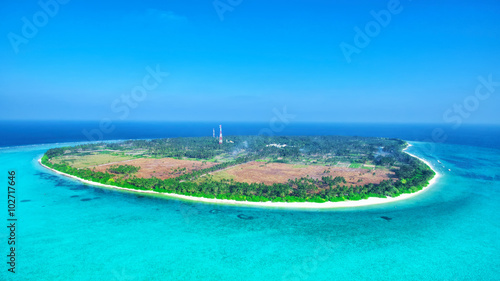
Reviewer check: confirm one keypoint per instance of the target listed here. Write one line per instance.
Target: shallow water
(70, 231)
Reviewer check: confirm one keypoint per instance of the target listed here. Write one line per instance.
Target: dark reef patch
(59, 181)
(245, 217)
(386, 218)
(86, 199)
(46, 176)
(460, 162)
(479, 176)
(74, 196)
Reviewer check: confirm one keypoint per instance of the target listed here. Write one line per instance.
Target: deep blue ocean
(15, 133)
(67, 230)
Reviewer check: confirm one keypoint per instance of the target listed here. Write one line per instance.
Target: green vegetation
(411, 174)
(123, 169)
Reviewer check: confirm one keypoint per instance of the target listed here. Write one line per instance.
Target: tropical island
(269, 169)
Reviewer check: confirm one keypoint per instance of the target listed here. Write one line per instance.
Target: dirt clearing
(163, 168)
(258, 172)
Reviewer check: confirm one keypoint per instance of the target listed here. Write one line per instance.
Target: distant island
(286, 169)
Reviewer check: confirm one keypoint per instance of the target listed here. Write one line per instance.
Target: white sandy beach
(291, 205)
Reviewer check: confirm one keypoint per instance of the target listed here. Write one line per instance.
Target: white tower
(220, 136)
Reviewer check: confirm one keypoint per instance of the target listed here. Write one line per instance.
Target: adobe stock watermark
(223, 6)
(122, 275)
(277, 123)
(372, 29)
(123, 105)
(459, 112)
(308, 266)
(188, 211)
(30, 28)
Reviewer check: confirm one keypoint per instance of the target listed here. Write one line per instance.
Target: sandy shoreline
(288, 205)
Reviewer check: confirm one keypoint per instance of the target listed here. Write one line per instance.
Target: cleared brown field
(90, 160)
(161, 168)
(258, 172)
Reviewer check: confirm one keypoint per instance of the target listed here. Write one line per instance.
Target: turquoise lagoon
(67, 230)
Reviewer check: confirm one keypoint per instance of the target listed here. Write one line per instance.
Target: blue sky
(240, 63)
